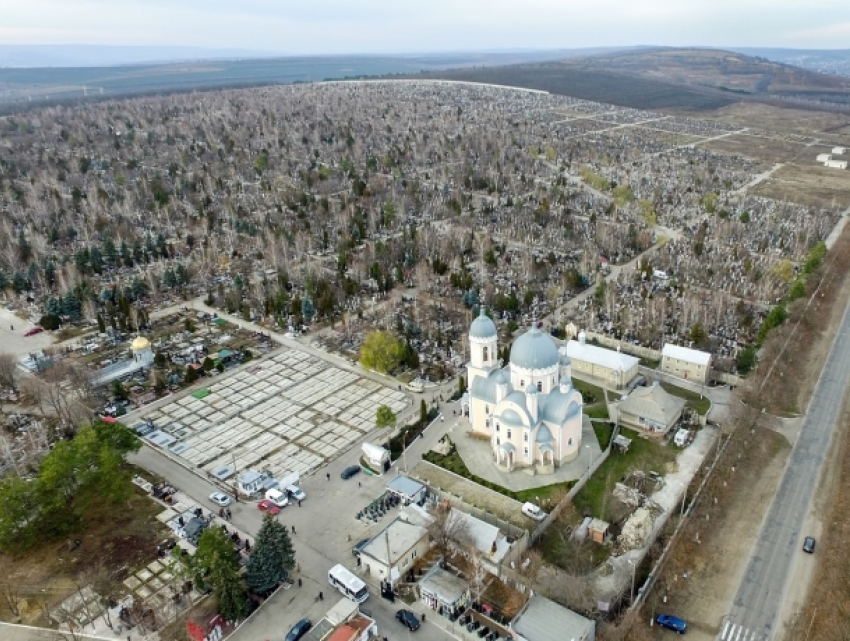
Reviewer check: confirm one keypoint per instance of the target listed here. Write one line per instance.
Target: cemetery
(292, 412)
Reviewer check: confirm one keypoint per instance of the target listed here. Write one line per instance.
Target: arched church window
(497, 427)
(498, 442)
(486, 409)
(525, 437)
(509, 433)
(522, 383)
(487, 423)
(485, 355)
(526, 451)
(539, 386)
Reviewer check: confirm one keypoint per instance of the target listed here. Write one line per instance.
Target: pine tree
(216, 565)
(271, 558)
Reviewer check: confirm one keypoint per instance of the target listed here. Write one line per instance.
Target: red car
(267, 506)
(33, 331)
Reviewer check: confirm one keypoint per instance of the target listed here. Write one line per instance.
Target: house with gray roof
(528, 409)
(544, 620)
(650, 409)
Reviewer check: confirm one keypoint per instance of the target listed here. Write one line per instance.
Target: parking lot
(293, 412)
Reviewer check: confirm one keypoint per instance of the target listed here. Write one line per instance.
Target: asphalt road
(755, 614)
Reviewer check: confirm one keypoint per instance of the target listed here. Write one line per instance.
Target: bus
(347, 583)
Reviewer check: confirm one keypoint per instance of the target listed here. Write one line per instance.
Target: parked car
(33, 331)
(298, 630)
(267, 506)
(809, 545)
(220, 498)
(408, 618)
(672, 623)
(350, 471)
(296, 492)
(532, 511)
(358, 547)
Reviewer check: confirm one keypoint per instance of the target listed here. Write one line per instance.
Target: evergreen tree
(307, 309)
(271, 558)
(216, 565)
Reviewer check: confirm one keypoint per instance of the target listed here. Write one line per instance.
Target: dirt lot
(803, 122)
(770, 150)
(115, 542)
(812, 185)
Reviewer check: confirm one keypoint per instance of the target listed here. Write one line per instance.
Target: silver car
(220, 498)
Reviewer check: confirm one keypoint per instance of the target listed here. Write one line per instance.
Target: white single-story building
(684, 362)
(444, 592)
(836, 164)
(544, 620)
(839, 151)
(405, 543)
(824, 157)
(612, 368)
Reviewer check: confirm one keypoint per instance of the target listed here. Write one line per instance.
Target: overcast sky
(400, 26)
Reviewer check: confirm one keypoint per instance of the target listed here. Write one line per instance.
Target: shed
(377, 457)
(407, 489)
(622, 443)
(250, 482)
(598, 530)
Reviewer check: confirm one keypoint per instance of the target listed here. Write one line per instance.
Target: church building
(528, 409)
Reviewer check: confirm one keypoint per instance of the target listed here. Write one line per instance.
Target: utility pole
(389, 562)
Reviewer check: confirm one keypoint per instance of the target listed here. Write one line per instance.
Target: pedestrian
(299, 502)
(328, 474)
(293, 529)
(221, 512)
(359, 484)
(299, 581)
(423, 617)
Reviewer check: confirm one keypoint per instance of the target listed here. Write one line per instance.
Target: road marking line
(738, 633)
(725, 629)
(732, 631)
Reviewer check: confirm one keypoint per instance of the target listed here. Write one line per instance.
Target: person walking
(293, 529)
(328, 474)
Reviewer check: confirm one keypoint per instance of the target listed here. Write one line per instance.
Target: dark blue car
(672, 623)
(298, 630)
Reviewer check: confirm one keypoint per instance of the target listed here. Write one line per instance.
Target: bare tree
(447, 529)
(9, 372)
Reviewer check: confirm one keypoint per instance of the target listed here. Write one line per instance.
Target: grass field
(645, 455)
(700, 404)
(116, 540)
(811, 185)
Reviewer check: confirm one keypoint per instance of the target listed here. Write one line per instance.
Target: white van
(349, 584)
(277, 497)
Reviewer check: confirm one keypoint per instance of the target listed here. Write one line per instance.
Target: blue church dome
(534, 350)
(483, 326)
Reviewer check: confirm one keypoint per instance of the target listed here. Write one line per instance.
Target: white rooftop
(600, 356)
(402, 536)
(685, 354)
(480, 534)
(545, 620)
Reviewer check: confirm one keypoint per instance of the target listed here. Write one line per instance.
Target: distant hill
(29, 56)
(198, 70)
(656, 78)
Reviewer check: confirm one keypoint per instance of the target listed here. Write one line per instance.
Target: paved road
(756, 611)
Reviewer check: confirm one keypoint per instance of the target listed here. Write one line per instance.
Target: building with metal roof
(528, 408)
(612, 368)
(650, 409)
(544, 620)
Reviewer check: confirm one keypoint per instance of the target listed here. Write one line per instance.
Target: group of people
(225, 513)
